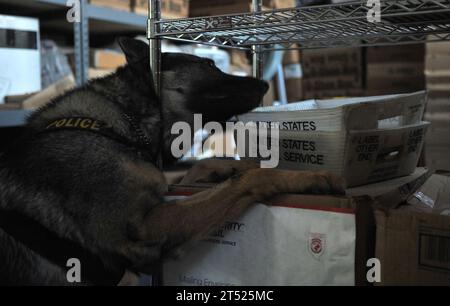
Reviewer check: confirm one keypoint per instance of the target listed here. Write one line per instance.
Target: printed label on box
(434, 249)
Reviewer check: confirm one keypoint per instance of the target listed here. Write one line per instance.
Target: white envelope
(272, 246)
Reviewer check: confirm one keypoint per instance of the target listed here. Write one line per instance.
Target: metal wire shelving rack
(351, 24)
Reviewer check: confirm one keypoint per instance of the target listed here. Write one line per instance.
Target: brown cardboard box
(106, 59)
(240, 63)
(360, 206)
(94, 73)
(395, 54)
(124, 5)
(438, 132)
(387, 85)
(438, 80)
(291, 57)
(294, 89)
(438, 56)
(437, 144)
(395, 69)
(221, 7)
(331, 87)
(439, 48)
(413, 242)
(46, 95)
(437, 62)
(170, 9)
(331, 73)
(360, 200)
(293, 76)
(281, 4)
(338, 61)
(412, 70)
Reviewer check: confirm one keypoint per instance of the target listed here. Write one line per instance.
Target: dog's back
(68, 181)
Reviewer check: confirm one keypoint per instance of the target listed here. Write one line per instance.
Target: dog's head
(191, 84)
(194, 85)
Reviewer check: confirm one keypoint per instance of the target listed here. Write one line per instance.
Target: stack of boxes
(123, 5)
(207, 8)
(332, 73)
(395, 69)
(169, 8)
(293, 75)
(438, 110)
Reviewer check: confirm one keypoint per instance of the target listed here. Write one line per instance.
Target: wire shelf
(337, 25)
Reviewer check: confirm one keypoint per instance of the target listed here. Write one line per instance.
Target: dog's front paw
(216, 170)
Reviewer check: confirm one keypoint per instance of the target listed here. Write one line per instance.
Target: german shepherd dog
(82, 183)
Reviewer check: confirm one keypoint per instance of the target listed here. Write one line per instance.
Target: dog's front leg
(216, 170)
(175, 223)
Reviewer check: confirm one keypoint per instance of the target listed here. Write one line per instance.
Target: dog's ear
(134, 49)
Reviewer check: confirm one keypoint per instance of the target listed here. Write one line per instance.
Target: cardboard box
(332, 73)
(271, 94)
(222, 7)
(294, 89)
(358, 204)
(281, 4)
(438, 80)
(332, 62)
(438, 102)
(332, 87)
(20, 56)
(95, 73)
(437, 157)
(438, 62)
(45, 96)
(124, 5)
(292, 57)
(386, 85)
(396, 54)
(360, 157)
(343, 115)
(438, 133)
(363, 140)
(170, 9)
(293, 76)
(413, 242)
(438, 48)
(395, 69)
(200, 8)
(106, 59)
(438, 56)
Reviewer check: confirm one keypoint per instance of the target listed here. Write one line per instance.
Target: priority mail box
(296, 240)
(364, 140)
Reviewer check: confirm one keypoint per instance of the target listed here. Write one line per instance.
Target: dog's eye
(211, 63)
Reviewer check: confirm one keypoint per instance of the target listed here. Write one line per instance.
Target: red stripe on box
(350, 211)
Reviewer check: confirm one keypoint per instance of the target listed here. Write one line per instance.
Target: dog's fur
(103, 195)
